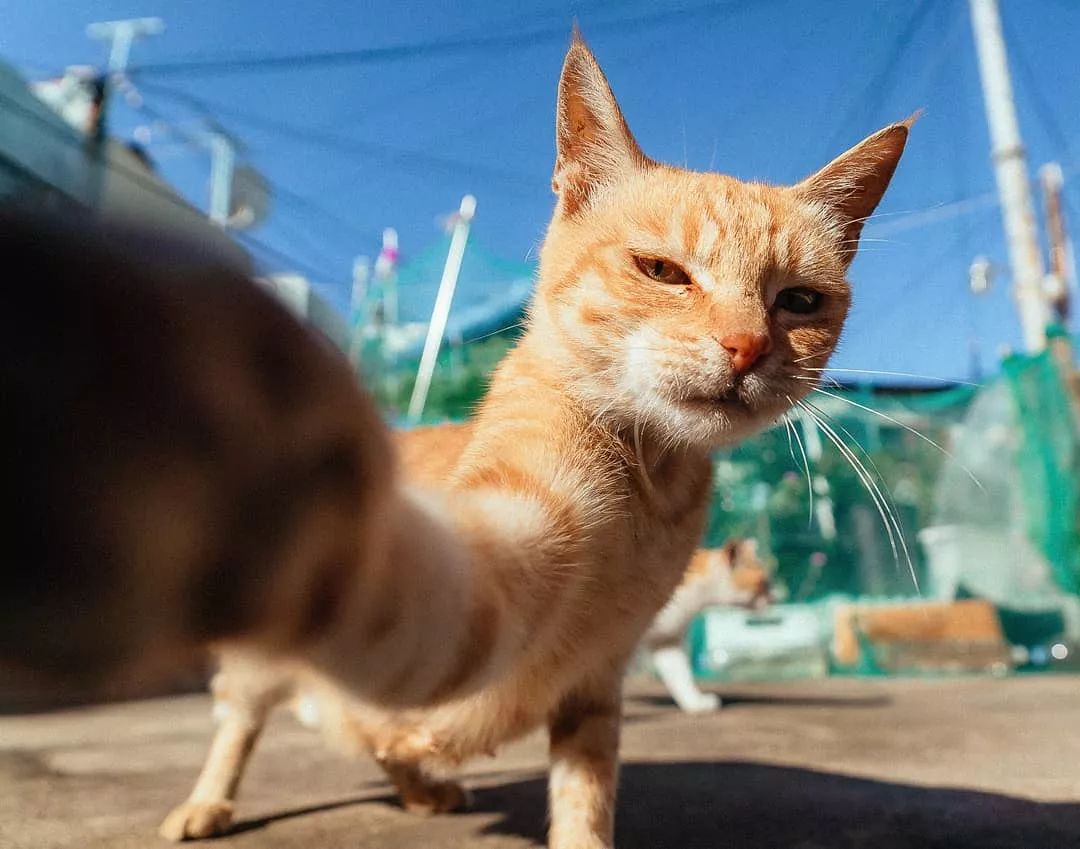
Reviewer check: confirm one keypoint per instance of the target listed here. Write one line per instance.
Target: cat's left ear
(594, 144)
(853, 184)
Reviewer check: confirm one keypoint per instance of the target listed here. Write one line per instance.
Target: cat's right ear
(593, 143)
(852, 185)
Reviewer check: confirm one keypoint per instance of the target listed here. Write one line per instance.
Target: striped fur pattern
(732, 575)
(659, 330)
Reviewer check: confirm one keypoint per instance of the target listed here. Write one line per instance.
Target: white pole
(441, 311)
(1010, 169)
(357, 304)
(387, 329)
(222, 163)
(121, 34)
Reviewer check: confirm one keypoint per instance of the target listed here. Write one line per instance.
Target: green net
(819, 516)
(879, 494)
(1048, 461)
(991, 507)
(872, 492)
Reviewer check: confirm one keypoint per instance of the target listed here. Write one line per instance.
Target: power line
(280, 191)
(883, 79)
(282, 259)
(14, 108)
(344, 144)
(422, 49)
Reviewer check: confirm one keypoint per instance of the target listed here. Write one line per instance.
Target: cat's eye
(799, 300)
(662, 270)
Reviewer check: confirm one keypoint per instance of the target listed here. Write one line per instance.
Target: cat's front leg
(584, 734)
(245, 690)
(208, 811)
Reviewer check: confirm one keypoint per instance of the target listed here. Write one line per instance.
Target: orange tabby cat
(673, 313)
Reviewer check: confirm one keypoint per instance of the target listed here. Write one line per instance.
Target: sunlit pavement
(883, 764)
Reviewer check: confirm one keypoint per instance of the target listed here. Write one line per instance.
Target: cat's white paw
(703, 703)
(195, 820)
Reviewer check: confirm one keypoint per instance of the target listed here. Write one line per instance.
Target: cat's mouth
(719, 399)
(729, 396)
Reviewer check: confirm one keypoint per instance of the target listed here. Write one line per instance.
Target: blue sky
(768, 90)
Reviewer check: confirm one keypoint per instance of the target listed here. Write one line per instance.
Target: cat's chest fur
(630, 551)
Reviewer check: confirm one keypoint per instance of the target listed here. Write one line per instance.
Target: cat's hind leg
(420, 793)
(400, 749)
(673, 667)
(241, 707)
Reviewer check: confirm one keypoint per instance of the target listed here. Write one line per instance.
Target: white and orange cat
(730, 576)
(674, 313)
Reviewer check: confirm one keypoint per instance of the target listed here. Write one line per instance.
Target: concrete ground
(962, 764)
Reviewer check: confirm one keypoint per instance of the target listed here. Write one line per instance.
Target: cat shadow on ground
(369, 793)
(738, 805)
(732, 700)
(751, 806)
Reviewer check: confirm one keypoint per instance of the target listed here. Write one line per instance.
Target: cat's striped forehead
(724, 231)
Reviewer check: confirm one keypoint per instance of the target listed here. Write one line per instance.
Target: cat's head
(733, 575)
(690, 303)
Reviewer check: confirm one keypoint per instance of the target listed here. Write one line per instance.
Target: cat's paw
(437, 797)
(704, 703)
(195, 820)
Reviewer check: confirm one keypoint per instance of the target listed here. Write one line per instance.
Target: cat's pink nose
(746, 349)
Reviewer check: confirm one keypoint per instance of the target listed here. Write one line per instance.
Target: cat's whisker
(902, 212)
(787, 426)
(514, 326)
(532, 249)
(807, 378)
(906, 427)
(640, 455)
(890, 374)
(806, 465)
(888, 518)
(876, 215)
(885, 495)
(821, 353)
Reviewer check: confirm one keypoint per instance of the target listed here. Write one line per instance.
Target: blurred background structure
(323, 147)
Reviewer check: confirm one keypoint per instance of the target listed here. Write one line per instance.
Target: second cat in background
(730, 576)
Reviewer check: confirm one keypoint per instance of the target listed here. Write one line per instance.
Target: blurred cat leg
(241, 710)
(673, 667)
(584, 744)
(420, 793)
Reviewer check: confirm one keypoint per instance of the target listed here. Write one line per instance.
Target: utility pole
(1010, 169)
(1062, 280)
(1062, 261)
(120, 35)
(440, 313)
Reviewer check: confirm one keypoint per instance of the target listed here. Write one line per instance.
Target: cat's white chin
(714, 423)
